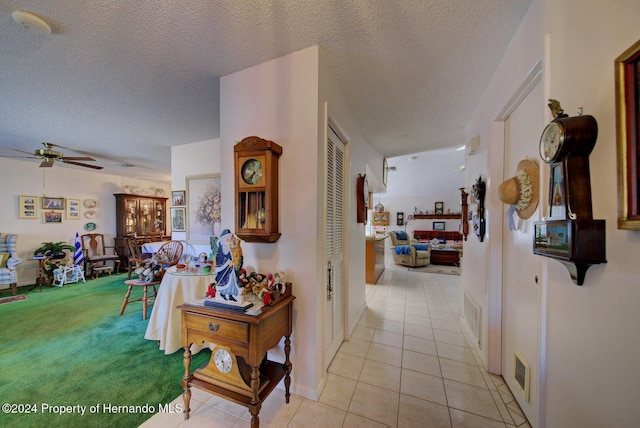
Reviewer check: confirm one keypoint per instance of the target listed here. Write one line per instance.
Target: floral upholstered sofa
(408, 252)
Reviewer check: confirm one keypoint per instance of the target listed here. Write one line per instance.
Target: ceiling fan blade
(18, 150)
(65, 160)
(47, 163)
(77, 158)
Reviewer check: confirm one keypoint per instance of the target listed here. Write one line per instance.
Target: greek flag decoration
(77, 255)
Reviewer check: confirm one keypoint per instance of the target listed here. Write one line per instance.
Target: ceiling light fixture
(31, 22)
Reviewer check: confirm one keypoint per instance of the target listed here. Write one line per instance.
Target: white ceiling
(126, 80)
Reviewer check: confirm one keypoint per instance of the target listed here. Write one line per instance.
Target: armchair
(8, 262)
(408, 252)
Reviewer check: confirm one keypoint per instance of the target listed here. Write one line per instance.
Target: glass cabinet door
(146, 216)
(159, 216)
(130, 216)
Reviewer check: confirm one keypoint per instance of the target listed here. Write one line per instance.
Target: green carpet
(69, 347)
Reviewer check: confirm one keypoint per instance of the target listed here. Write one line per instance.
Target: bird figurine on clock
(569, 233)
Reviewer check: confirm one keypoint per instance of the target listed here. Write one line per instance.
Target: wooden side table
(447, 256)
(247, 377)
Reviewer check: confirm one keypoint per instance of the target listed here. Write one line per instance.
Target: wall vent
(471, 315)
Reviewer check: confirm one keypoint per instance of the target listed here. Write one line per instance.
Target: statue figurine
(226, 278)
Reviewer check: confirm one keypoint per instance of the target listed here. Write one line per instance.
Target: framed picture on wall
(52, 217)
(73, 209)
(52, 203)
(178, 198)
(438, 225)
(178, 219)
(627, 84)
(28, 207)
(204, 205)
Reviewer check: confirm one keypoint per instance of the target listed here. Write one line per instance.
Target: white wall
(283, 100)
(27, 178)
(202, 157)
(590, 338)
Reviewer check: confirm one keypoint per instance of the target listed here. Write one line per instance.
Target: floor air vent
(471, 313)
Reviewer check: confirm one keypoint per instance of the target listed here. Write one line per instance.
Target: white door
(334, 278)
(521, 304)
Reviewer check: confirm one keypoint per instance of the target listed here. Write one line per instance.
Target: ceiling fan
(49, 156)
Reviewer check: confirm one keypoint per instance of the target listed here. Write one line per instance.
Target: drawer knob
(213, 327)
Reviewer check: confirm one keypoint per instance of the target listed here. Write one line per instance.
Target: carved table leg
(186, 395)
(255, 400)
(287, 363)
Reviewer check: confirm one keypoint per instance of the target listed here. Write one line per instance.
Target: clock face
(251, 171)
(551, 142)
(223, 360)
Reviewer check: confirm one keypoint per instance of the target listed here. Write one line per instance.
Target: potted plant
(54, 250)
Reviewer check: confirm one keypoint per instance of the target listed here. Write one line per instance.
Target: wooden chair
(135, 254)
(146, 299)
(96, 255)
(168, 255)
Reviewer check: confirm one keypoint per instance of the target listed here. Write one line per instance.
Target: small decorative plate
(90, 226)
(90, 203)
(90, 214)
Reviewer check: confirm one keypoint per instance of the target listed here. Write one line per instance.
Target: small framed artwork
(28, 207)
(52, 203)
(178, 198)
(178, 219)
(439, 209)
(73, 209)
(438, 225)
(52, 217)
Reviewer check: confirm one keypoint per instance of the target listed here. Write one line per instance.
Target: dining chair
(96, 255)
(135, 254)
(168, 255)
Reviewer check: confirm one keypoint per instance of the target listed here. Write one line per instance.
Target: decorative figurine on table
(227, 289)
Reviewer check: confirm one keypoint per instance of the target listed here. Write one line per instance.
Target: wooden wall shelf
(437, 216)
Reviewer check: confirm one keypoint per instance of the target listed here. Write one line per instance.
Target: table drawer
(216, 329)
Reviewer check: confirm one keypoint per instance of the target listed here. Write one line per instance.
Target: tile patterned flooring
(408, 364)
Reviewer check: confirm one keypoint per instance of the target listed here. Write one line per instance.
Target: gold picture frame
(627, 87)
(28, 207)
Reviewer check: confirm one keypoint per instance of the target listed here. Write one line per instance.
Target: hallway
(407, 365)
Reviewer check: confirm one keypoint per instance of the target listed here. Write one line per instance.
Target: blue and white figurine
(227, 289)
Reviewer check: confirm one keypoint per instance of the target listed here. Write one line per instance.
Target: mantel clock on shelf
(256, 189)
(569, 233)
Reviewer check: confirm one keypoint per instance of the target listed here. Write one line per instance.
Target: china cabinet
(138, 216)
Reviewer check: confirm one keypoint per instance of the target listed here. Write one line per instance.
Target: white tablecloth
(175, 289)
(188, 249)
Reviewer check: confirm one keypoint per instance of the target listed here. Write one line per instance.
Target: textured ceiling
(126, 80)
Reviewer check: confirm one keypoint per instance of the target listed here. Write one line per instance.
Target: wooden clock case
(256, 202)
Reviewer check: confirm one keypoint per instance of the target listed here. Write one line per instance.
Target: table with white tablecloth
(188, 249)
(176, 288)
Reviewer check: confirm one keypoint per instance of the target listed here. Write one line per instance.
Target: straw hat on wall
(522, 191)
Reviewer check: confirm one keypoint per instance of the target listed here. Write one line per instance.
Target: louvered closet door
(334, 279)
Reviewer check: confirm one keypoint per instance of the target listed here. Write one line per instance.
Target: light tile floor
(408, 364)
